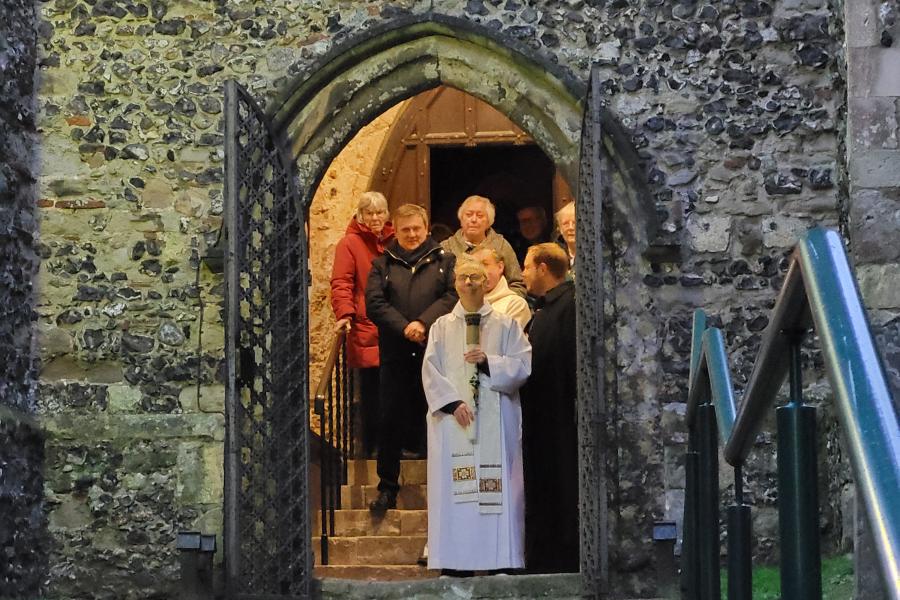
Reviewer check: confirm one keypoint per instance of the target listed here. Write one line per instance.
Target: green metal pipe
(798, 502)
(708, 504)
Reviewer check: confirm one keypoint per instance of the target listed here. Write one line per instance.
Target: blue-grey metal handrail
(819, 292)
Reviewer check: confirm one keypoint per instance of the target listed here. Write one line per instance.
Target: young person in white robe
(498, 293)
(476, 507)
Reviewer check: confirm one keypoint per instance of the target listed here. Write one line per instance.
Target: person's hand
(342, 324)
(475, 356)
(463, 415)
(415, 332)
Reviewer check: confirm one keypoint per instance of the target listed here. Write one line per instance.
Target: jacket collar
(558, 292)
(414, 257)
(469, 246)
(361, 229)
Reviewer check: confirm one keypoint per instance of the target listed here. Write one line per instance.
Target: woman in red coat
(367, 235)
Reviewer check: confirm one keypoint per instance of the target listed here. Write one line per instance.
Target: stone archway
(364, 76)
(357, 80)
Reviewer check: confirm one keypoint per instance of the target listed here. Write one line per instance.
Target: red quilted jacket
(352, 262)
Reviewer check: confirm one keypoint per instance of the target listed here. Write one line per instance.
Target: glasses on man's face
(473, 277)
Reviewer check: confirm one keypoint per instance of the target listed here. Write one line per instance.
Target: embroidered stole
(481, 482)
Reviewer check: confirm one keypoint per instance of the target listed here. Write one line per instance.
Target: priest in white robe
(474, 364)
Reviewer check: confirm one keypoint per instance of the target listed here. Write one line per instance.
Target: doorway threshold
(500, 587)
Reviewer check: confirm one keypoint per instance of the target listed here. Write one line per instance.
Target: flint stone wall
(23, 542)
(732, 105)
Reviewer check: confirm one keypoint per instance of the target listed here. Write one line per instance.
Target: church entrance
(434, 149)
(275, 161)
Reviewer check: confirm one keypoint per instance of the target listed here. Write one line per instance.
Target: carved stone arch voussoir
(364, 76)
(323, 112)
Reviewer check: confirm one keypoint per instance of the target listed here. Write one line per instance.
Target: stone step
(360, 522)
(375, 572)
(372, 550)
(496, 587)
(364, 472)
(410, 497)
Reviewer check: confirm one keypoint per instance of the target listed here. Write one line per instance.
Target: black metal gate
(267, 536)
(589, 295)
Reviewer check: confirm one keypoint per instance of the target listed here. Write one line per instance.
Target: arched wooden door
(443, 118)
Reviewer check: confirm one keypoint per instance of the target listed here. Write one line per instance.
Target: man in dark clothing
(409, 287)
(533, 229)
(549, 432)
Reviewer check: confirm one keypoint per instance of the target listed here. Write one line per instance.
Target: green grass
(837, 580)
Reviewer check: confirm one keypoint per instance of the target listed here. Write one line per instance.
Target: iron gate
(589, 296)
(267, 535)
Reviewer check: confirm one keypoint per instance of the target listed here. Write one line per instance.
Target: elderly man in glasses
(475, 362)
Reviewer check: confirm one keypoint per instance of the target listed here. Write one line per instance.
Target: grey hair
(496, 255)
(370, 199)
(566, 208)
(488, 208)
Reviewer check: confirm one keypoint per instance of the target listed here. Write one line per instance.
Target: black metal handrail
(332, 403)
(819, 294)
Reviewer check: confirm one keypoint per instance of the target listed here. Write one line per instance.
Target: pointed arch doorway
(274, 162)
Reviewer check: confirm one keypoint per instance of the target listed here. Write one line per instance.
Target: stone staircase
(367, 548)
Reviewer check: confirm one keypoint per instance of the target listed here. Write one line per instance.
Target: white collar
(460, 312)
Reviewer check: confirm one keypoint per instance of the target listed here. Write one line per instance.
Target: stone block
(709, 233)
(879, 285)
(53, 341)
(413, 522)
(872, 123)
(200, 473)
(71, 513)
(875, 168)
(874, 219)
(672, 423)
(675, 507)
(861, 24)
(673, 460)
(782, 232)
(123, 398)
(873, 71)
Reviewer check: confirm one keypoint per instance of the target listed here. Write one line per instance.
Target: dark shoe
(384, 502)
(456, 573)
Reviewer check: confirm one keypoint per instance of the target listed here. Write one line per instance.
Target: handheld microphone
(473, 330)
(473, 340)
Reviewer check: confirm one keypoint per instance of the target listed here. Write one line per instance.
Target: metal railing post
(798, 502)
(740, 554)
(690, 584)
(323, 483)
(708, 504)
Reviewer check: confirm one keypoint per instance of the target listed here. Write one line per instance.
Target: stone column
(22, 530)
(873, 162)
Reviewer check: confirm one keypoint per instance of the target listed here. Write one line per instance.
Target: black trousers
(369, 409)
(403, 409)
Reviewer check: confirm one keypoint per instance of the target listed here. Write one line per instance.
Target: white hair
(488, 208)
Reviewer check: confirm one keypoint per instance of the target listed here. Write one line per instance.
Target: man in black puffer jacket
(409, 287)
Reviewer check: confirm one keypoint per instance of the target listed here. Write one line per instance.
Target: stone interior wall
(732, 105)
(873, 210)
(23, 541)
(331, 210)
